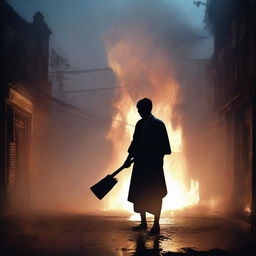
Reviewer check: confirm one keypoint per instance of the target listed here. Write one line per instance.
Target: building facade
(233, 69)
(24, 83)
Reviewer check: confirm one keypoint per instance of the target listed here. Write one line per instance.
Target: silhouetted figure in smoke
(149, 145)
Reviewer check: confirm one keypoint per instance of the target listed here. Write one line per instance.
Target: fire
(139, 77)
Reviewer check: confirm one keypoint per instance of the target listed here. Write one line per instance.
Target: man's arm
(164, 140)
(131, 149)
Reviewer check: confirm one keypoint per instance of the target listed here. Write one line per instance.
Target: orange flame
(153, 78)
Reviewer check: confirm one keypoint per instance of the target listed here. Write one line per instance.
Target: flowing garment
(149, 145)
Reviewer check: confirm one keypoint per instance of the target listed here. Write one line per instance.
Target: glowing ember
(152, 79)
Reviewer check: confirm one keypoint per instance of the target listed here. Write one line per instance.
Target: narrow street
(113, 107)
(98, 235)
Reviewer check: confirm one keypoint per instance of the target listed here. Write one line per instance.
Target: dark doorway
(19, 124)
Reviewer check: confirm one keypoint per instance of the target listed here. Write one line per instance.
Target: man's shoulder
(153, 120)
(139, 122)
(157, 121)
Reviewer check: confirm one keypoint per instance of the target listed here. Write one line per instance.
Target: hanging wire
(81, 71)
(76, 111)
(95, 89)
(79, 110)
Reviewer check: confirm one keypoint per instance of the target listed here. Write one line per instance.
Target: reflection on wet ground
(98, 235)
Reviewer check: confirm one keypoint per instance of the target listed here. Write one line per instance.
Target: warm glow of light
(127, 60)
(135, 217)
(247, 209)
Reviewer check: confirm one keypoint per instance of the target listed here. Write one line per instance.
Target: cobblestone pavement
(72, 235)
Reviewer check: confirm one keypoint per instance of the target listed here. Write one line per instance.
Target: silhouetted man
(149, 145)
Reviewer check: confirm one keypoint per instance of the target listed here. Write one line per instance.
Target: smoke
(154, 35)
(151, 50)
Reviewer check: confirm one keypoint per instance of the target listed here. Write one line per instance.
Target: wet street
(98, 235)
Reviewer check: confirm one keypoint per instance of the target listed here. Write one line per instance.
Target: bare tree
(57, 62)
(57, 65)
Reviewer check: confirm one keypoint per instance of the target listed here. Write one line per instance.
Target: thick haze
(82, 31)
(78, 25)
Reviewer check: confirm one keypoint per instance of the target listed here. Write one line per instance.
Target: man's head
(144, 107)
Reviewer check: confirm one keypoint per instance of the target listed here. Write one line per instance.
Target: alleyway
(97, 235)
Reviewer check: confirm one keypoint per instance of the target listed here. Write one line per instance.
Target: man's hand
(127, 164)
(129, 160)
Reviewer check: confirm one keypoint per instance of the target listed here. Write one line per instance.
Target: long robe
(149, 145)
